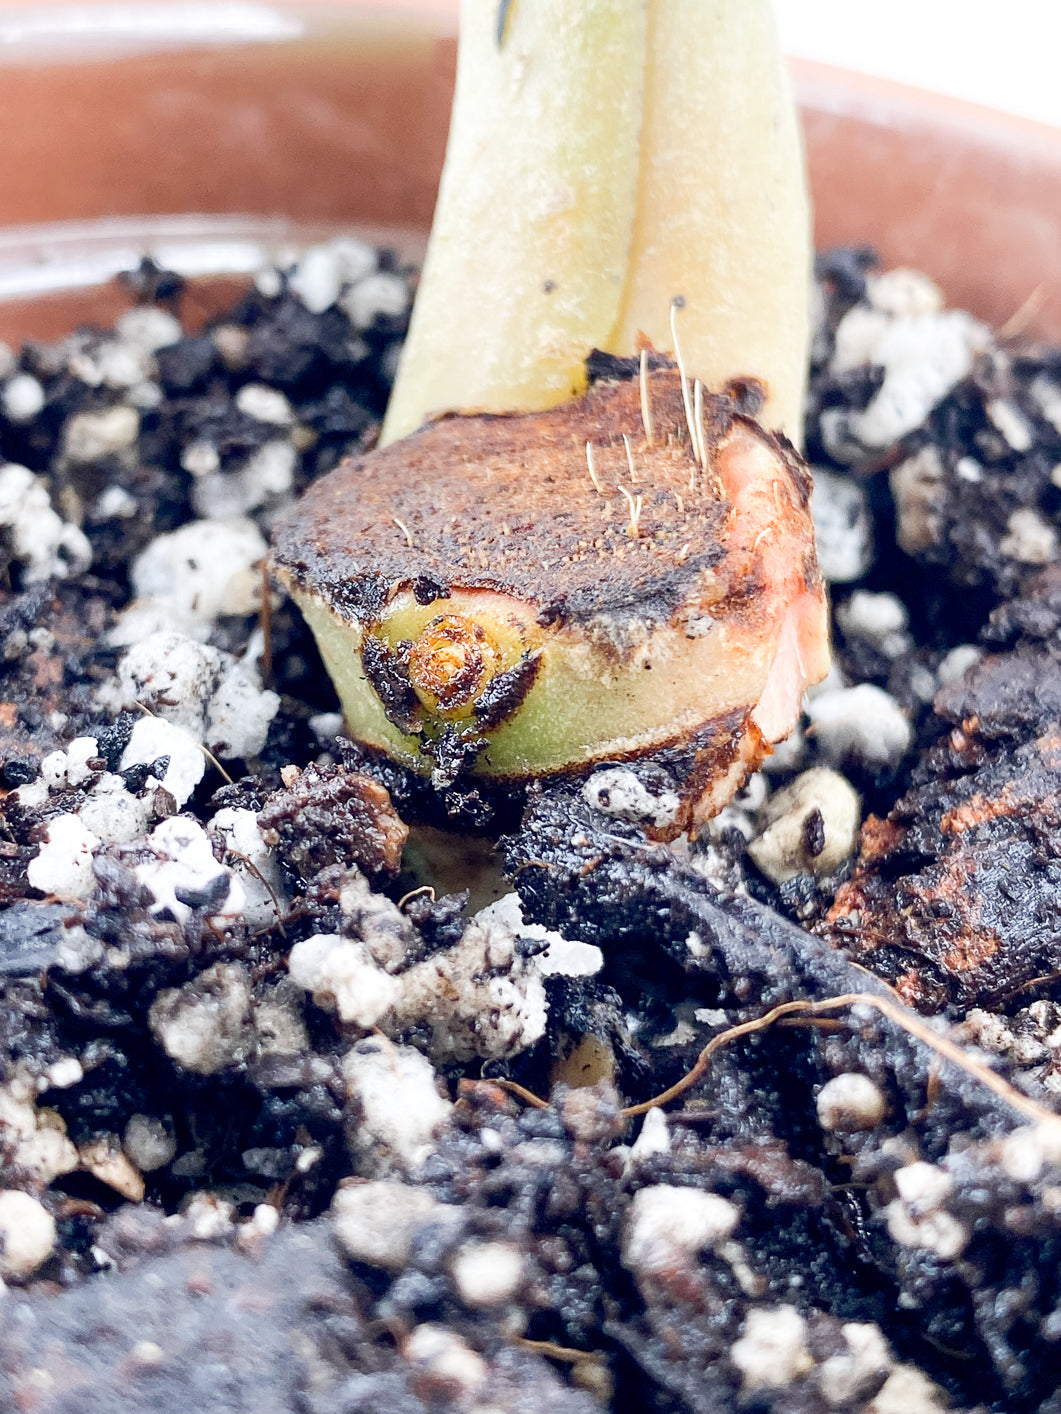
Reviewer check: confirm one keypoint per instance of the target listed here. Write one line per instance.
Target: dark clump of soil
(283, 1126)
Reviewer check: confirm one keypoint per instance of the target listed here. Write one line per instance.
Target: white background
(1004, 53)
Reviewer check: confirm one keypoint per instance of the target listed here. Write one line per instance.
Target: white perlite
(850, 1102)
(845, 1379)
(254, 864)
(205, 1025)
(667, 1226)
(172, 675)
(1011, 422)
(113, 813)
(149, 328)
(240, 712)
(843, 530)
(37, 1140)
(488, 1273)
(63, 865)
(917, 1217)
(325, 269)
(265, 476)
(908, 1391)
(27, 1234)
(772, 1349)
(446, 1357)
(265, 404)
(653, 1139)
(958, 661)
(90, 436)
(1029, 539)
(393, 1090)
(903, 291)
(617, 791)
(860, 723)
(380, 294)
(343, 977)
(376, 1222)
(148, 1143)
(215, 697)
(153, 738)
(810, 826)
(23, 398)
(191, 576)
(923, 355)
(114, 363)
(480, 997)
(176, 856)
(880, 619)
(566, 956)
(44, 544)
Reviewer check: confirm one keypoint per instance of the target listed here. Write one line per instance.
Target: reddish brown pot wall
(348, 126)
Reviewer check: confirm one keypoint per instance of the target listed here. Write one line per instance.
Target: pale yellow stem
(607, 157)
(722, 211)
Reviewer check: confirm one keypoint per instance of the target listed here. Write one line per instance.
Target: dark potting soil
(253, 1154)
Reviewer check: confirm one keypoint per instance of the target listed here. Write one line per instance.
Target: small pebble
(919, 490)
(103, 1158)
(810, 826)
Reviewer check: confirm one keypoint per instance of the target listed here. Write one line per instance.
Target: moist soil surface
(284, 1128)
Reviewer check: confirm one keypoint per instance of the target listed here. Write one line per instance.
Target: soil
(274, 1104)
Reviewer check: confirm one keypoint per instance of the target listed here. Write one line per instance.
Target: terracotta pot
(300, 119)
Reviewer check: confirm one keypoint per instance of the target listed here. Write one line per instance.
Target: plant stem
(605, 159)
